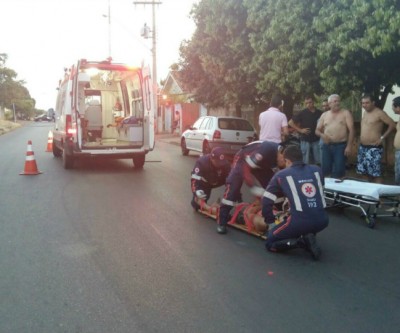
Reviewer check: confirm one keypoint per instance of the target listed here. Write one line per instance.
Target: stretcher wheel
(370, 221)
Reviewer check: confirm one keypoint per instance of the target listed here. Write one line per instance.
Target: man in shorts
(370, 150)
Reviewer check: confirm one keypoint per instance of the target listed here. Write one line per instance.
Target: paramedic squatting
(210, 171)
(302, 185)
(255, 161)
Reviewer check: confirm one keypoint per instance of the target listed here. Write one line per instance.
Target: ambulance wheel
(138, 161)
(57, 152)
(370, 221)
(67, 158)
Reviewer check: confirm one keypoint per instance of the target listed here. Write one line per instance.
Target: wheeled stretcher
(374, 200)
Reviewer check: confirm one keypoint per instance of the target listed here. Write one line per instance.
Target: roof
(173, 85)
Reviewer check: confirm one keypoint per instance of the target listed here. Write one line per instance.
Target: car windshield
(234, 124)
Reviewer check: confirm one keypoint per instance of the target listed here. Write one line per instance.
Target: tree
(13, 92)
(285, 46)
(213, 62)
(361, 51)
(246, 49)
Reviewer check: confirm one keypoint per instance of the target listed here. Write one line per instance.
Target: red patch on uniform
(308, 190)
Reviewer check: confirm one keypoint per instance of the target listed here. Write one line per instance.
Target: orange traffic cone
(50, 142)
(30, 163)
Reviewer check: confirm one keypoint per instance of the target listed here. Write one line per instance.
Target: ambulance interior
(110, 108)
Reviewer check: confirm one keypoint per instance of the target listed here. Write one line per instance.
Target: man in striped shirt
(302, 185)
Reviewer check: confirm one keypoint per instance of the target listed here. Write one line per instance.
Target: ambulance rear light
(68, 126)
(217, 135)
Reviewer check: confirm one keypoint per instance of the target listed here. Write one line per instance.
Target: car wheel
(206, 148)
(138, 161)
(185, 151)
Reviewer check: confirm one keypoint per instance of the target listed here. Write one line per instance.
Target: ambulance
(104, 110)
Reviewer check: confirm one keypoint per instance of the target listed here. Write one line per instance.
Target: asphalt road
(105, 248)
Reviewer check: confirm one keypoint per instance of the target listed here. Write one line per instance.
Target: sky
(42, 37)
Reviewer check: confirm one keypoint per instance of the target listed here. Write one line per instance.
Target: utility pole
(154, 49)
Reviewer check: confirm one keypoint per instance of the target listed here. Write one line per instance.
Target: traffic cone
(50, 142)
(30, 163)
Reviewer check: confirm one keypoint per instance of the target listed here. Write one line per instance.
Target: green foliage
(214, 62)
(285, 45)
(13, 92)
(243, 50)
(362, 49)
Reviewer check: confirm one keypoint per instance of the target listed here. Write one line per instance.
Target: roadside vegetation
(7, 126)
(14, 96)
(243, 51)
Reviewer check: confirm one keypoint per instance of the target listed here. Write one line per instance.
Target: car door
(202, 134)
(192, 135)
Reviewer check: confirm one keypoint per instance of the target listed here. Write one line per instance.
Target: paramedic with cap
(254, 162)
(302, 185)
(210, 171)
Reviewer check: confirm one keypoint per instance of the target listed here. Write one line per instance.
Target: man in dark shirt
(305, 123)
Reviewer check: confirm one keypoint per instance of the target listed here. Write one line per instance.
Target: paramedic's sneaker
(221, 229)
(312, 246)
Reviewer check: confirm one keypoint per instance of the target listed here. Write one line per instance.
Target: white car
(230, 133)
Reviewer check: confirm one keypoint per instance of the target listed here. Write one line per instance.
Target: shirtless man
(396, 109)
(336, 128)
(370, 149)
(324, 107)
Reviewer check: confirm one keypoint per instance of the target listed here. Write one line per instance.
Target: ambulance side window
(137, 104)
(60, 105)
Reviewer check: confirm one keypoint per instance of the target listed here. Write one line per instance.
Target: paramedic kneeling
(210, 171)
(255, 161)
(302, 185)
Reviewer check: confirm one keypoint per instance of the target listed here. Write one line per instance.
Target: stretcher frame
(371, 208)
(231, 223)
(248, 226)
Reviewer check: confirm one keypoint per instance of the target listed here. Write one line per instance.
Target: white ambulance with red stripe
(104, 110)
